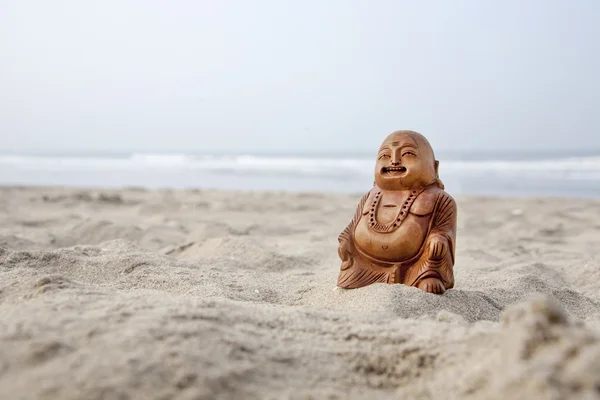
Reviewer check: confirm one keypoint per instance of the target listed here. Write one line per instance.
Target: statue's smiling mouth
(393, 170)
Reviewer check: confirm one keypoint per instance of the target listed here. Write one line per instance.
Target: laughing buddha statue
(404, 229)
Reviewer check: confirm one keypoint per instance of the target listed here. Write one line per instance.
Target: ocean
(564, 173)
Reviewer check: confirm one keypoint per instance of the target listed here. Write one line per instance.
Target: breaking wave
(582, 168)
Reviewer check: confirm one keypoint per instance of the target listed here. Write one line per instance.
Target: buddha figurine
(404, 229)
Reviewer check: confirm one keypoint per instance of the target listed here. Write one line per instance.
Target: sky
(284, 76)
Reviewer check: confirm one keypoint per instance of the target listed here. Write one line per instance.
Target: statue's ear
(438, 181)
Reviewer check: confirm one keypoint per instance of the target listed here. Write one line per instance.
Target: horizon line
(270, 152)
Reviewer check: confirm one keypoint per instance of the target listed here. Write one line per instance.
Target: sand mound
(200, 346)
(536, 352)
(244, 252)
(98, 231)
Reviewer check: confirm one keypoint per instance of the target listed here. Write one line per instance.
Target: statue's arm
(438, 256)
(345, 240)
(443, 233)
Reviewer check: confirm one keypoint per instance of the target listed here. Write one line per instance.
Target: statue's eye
(408, 153)
(383, 156)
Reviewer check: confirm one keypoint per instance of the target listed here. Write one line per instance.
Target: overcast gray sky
(274, 75)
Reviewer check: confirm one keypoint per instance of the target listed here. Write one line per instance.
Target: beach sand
(137, 294)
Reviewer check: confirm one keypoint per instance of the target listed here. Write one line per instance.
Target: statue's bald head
(420, 162)
(416, 138)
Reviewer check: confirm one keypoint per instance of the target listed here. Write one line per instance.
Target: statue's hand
(345, 255)
(435, 258)
(438, 247)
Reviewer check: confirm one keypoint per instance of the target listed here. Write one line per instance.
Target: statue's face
(405, 161)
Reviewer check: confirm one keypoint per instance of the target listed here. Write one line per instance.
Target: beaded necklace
(397, 221)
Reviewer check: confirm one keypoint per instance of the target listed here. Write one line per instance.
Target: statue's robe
(360, 269)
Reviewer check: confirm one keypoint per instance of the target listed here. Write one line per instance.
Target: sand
(136, 294)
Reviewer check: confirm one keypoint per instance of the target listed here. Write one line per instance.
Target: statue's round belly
(400, 245)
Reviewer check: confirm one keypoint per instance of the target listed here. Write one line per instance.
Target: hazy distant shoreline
(575, 174)
(443, 154)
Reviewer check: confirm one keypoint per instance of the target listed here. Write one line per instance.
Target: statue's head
(406, 161)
